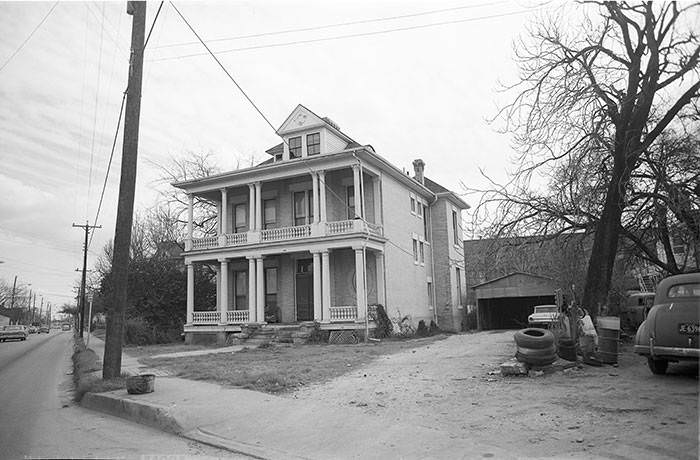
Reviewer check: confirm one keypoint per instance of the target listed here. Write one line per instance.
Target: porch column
(190, 219)
(190, 292)
(217, 269)
(223, 275)
(326, 280)
(314, 186)
(251, 208)
(381, 294)
(356, 190)
(251, 289)
(361, 293)
(218, 218)
(322, 194)
(318, 296)
(260, 290)
(258, 206)
(223, 217)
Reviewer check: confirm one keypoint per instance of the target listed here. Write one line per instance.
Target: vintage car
(66, 327)
(44, 329)
(15, 332)
(670, 330)
(544, 316)
(634, 309)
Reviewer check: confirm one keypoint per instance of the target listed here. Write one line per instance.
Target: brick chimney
(418, 168)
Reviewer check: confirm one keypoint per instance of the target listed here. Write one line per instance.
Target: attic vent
(332, 123)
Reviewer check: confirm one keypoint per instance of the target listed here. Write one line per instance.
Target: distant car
(65, 327)
(634, 309)
(44, 329)
(670, 330)
(544, 316)
(16, 332)
(32, 329)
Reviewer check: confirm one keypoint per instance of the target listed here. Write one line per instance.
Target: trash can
(608, 338)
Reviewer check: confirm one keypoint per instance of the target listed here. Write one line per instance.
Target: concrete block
(513, 367)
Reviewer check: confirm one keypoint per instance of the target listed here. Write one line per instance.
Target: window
(240, 221)
(278, 157)
(430, 294)
(271, 288)
(413, 205)
(313, 144)
(455, 228)
(350, 195)
(425, 222)
(269, 214)
(419, 208)
(240, 288)
(422, 253)
(303, 207)
(458, 273)
(295, 147)
(415, 251)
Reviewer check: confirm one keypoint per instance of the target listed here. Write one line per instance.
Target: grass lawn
(152, 350)
(277, 369)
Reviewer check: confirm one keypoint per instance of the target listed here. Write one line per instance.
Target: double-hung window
(425, 222)
(350, 201)
(415, 251)
(313, 144)
(422, 252)
(271, 288)
(413, 205)
(455, 228)
(295, 147)
(240, 220)
(269, 214)
(303, 207)
(240, 288)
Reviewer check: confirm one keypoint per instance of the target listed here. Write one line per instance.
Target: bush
(137, 331)
(384, 327)
(422, 330)
(469, 321)
(317, 335)
(434, 329)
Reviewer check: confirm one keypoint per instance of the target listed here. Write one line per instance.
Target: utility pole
(81, 308)
(112, 362)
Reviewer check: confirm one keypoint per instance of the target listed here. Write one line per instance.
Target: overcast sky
(415, 79)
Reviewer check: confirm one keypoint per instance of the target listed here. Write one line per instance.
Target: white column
(326, 281)
(223, 275)
(322, 194)
(260, 290)
(251, 208)
(190, 219)
(360, 283)
(217, 269)
(356, 190)
(190, 292)
(251, 289)
(218, 219)
(258, 206)
(314, 187)
(224, 211)
(381, 294)
(318, 296)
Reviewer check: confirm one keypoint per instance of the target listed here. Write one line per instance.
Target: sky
(415, 79)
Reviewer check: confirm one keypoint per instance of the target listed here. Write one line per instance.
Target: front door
(305, 290)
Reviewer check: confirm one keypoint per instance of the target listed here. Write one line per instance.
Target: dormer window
(313, 144)
(295, 147)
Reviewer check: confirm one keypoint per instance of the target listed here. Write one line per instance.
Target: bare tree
(590, 101)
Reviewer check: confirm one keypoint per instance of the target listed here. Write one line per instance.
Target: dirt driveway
(450, 385)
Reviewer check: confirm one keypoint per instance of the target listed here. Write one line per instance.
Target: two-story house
(322, 231)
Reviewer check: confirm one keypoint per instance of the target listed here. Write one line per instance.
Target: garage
(506, 302)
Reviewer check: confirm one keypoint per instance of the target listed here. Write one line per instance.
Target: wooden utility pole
(81, 301)
(112, 361)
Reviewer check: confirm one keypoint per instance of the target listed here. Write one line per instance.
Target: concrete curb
(140, 412)
(238, 447)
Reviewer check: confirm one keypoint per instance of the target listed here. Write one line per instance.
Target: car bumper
(675, 352)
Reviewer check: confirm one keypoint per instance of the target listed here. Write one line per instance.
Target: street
(39, 419)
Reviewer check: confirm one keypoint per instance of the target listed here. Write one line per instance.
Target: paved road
(38, 417)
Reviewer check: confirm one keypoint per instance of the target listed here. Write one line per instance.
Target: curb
(144, 413)
(239, 447)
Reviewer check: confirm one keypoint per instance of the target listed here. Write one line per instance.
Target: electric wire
(26, 40)
(94, 121)
(330, 26)
(339, 37)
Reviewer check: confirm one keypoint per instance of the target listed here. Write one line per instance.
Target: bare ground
(450, 385)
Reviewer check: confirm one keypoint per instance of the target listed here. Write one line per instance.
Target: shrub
(384, 327)
(422, 330)
(317, 335)
(434, 328)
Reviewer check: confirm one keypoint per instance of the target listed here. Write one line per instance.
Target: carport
(506, 302)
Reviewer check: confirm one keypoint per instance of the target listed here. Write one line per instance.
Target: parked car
(635, 309)
(44, 329)
(670, 330)
(65, 327)
(544, 316)
(14, 332)
(32, 329)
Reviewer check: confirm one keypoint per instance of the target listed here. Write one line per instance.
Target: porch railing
(339, 227)
(234, 239)
(285, 233)
(205, 243)
(205, 317)
(375, 229)
(237, 316)
(344, 313)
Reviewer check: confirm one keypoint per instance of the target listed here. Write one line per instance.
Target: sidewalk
(272, 427)
(130, 365)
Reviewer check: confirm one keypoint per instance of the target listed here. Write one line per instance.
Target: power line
(19, 48)
(339, 37)
(330, 26)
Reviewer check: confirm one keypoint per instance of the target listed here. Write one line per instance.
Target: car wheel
(534, 338)
(657, 366)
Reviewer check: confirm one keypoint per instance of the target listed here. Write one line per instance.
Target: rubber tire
(533, 361)
(537, 353)
(534, 338)
(657, 366)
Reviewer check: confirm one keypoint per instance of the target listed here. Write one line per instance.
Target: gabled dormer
(306, 134)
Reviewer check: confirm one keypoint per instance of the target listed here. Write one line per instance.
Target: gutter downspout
(432, 261)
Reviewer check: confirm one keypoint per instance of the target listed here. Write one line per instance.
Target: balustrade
(205, 317)
(344, 313)
(207, 242)
(286, 233)
(237, 316)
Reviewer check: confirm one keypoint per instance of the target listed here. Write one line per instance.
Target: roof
(434, 186)
(532, 275)
(441, 191)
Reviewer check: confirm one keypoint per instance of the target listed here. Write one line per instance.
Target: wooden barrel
(608, 338)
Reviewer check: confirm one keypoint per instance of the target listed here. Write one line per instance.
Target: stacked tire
(535, 346)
